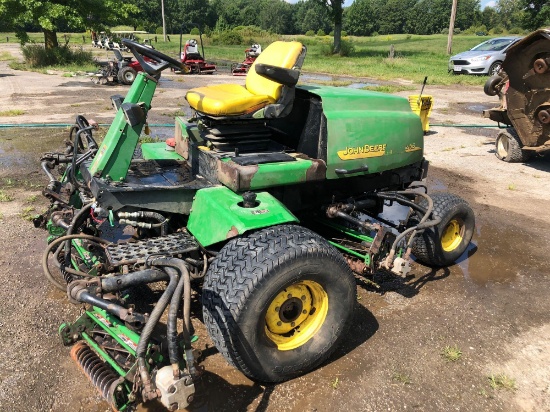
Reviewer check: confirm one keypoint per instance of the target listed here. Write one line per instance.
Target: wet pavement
(491, 305)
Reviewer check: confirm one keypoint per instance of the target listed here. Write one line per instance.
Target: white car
(485, 58)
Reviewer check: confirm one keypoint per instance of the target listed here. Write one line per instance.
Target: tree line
(362, 18)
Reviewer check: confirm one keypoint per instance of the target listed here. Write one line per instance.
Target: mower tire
(277, 302)
(491, 85)
(508, 147)
(127, 75)
(444, 243)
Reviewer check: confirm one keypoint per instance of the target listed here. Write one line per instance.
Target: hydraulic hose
(184, 286)
(149, 392)
(121, 282)
(56, 242)
(162, 221)
(78, 219)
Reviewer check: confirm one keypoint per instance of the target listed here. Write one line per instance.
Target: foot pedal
(137, 252)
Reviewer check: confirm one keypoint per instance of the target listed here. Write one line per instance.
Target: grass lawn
(415, 56)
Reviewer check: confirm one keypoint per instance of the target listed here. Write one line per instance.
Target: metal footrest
(137, 252)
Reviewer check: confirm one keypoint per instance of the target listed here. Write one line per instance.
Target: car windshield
(493, 45)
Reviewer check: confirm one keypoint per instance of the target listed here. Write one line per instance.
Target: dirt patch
(492, 304)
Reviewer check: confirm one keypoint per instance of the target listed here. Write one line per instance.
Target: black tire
(490, 88)
(495, 68)
(127, 75)
(444, 243)
(260, 283)
(508, 147)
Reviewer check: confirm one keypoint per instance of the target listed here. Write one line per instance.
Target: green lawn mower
(268, 208)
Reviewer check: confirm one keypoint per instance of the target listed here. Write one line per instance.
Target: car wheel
(495, 68)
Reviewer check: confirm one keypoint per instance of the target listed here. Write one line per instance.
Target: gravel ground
(492, 305)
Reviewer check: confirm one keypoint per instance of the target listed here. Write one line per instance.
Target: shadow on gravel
(217, 394)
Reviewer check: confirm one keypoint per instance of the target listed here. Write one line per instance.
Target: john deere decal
(412, 148)
(362, 152)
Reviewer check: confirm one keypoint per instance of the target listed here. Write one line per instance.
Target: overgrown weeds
(37, 55)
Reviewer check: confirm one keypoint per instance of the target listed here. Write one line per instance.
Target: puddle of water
(20, 148)
(500, 254)
(327, 78)
(478, 108)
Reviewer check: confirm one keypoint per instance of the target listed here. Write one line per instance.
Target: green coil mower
(268, 208)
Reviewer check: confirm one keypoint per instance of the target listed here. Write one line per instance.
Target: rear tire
(277, 302)
(508, 147)
(127, 75)
(444, 243)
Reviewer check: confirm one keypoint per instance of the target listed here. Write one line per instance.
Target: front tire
(508, 147)
(444, 243)
(277, 302)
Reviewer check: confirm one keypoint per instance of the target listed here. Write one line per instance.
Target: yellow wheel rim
(452, 235)
(296, 314)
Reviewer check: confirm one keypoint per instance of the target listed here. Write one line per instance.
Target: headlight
(480, 58)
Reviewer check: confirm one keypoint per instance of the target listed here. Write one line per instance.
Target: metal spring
(100, 374)
(67, 276)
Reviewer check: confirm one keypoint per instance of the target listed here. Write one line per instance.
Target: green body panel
(113, 158)
(217, 216)
(368, 129)
(254, 177)
(157, 151)
(279, 174)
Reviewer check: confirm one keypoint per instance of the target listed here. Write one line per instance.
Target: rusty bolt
(174, 407)
(279, 323)
(292, 324)
(304, 311)
(540, 66)
(277, 309)
(172, 389)
(289, 295)
(544, 116)
(303, 297)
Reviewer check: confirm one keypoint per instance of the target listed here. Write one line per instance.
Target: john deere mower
(268, 208)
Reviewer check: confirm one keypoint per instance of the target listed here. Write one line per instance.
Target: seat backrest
(279, 53)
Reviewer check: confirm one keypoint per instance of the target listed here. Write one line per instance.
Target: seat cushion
(226, 100)
(281, 54)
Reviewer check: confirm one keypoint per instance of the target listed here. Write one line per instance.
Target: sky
(484, 3)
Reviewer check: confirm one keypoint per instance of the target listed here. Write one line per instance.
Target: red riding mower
(193, 60)
(250, 54)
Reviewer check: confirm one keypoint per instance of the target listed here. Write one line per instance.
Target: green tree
(536, 14)
(359, 18)
(336, 10)
(310, 15)
(489, 17)
(49, 15)
(510, 12)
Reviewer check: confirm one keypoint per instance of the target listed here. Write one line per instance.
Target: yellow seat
(235, 100)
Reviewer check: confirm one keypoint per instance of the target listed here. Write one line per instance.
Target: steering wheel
(164, 61)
